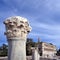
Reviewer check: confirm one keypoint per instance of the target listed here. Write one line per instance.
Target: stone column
(17, 29)
(35, 54)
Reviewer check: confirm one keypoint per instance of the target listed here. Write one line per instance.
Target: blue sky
(43, 15)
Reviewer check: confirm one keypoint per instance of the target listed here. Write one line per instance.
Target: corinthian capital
(17, 27)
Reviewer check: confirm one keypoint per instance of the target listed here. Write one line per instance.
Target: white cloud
(51, 27)
(53, 5)
(40, 14)
(48, 32)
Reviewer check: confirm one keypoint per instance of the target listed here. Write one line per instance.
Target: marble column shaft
(16, 49)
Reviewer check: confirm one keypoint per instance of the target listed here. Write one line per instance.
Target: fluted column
(17, 29)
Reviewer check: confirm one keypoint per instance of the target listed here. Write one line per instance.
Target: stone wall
(30, 58)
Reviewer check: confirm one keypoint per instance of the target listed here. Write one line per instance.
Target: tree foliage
(29, 44)
(58, 53)
(3, 50)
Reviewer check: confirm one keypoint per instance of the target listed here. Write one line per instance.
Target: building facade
(47, 49)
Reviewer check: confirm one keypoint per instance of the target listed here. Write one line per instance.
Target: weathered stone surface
(17, 29)
(35, 54)
(17, 49)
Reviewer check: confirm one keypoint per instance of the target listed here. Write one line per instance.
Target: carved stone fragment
(17, 27)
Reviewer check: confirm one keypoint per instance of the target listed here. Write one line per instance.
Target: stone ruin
(17, 29)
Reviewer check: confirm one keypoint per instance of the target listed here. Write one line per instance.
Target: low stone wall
(3, 58)
(30, 58)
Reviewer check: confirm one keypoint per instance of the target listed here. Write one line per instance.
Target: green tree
(29, 45)
(3, 50)
(58, 53)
